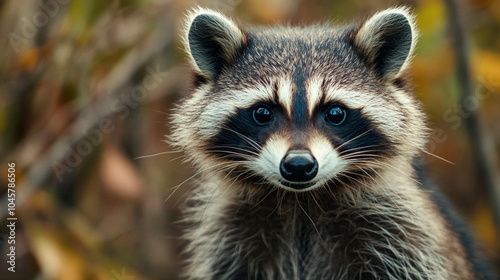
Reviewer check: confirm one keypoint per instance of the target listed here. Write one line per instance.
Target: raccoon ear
(212, 41)
(386, 41)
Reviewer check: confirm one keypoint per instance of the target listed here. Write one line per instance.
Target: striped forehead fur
(386, 115)
(227, 103)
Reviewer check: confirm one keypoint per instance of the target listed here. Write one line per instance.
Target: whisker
(205, 177)
(175, 158)
(155, 111)
(358, 148)
(280, 201)
(310, 219)
(361, 154)
(313, 197)
(363, 163)
(219, 149)
(250, 141)
(351, 140)
(394, 192)
(157, 154)
(260, 201)
(213, 193)
(187, 180)
(179, 185)
(438, 157)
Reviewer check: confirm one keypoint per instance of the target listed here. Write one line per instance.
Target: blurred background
(86, 88)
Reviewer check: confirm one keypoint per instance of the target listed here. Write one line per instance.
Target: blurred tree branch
(482, 144)
(39, 171)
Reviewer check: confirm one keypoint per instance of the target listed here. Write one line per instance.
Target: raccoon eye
(335, 115)
(262, 115)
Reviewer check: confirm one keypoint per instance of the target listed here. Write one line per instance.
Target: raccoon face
(299, 107)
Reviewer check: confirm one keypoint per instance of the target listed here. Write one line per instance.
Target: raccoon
(307, 140)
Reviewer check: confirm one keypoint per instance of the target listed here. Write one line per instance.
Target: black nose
(299, 166)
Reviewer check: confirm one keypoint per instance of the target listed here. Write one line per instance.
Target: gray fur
(361, 219)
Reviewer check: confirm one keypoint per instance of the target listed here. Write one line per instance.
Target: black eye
(335, 115)
(262, 115)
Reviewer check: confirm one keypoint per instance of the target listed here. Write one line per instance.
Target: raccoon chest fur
(300, 236)
(307, 140)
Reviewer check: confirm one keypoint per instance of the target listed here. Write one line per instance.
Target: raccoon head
(299, 108)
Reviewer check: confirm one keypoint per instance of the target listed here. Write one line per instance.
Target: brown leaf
(119, 175)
